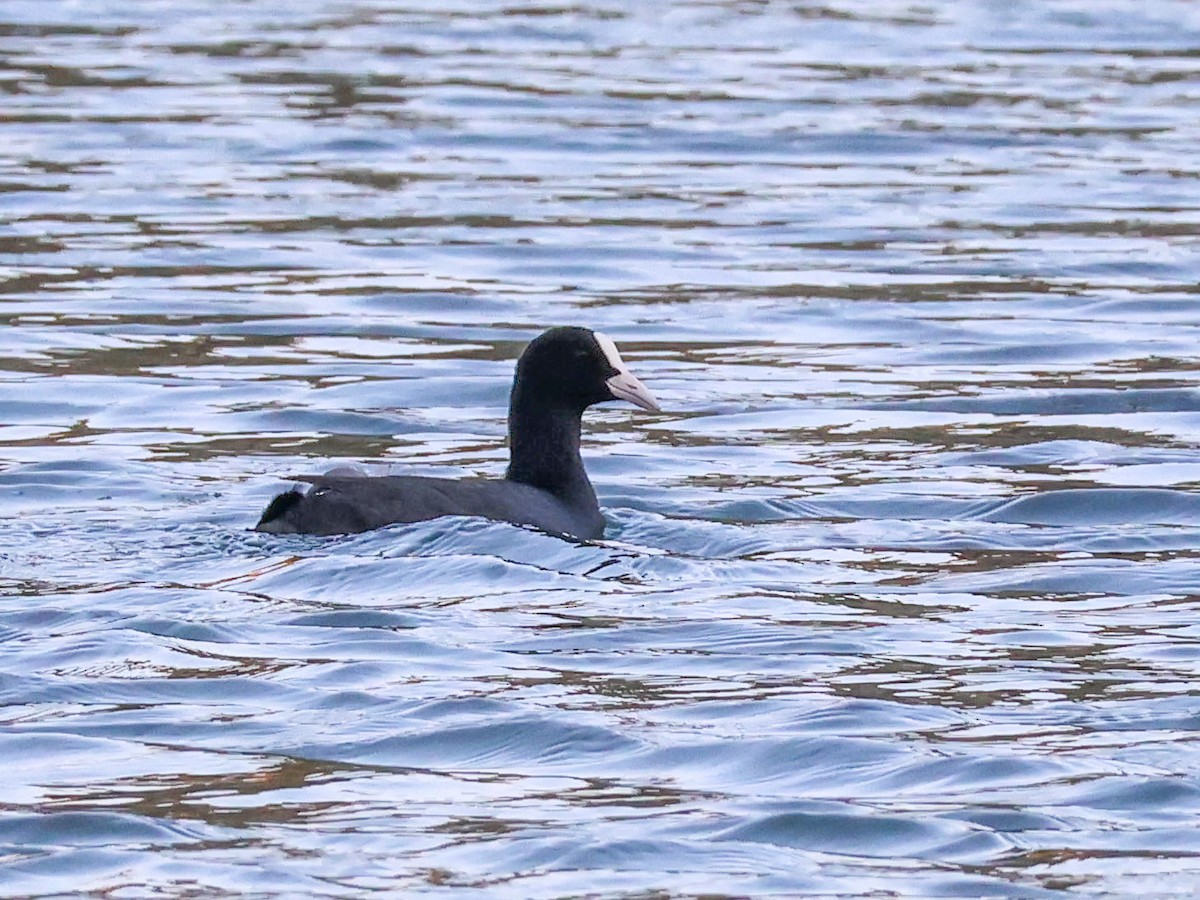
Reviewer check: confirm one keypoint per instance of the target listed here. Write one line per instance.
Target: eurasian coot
(561, 373)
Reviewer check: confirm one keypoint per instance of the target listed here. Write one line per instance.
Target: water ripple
(897, 596)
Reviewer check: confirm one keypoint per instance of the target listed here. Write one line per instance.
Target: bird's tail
(277, 509)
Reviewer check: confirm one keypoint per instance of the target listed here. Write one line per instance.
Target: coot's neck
(543, 441)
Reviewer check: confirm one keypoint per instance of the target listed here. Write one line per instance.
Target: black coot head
(576, 367)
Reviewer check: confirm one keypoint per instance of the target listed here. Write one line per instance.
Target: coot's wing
(348, 505)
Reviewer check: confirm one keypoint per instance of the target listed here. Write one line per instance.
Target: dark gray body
(562, 372)
(344, 505)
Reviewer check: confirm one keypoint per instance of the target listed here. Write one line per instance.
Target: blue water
(899, 594)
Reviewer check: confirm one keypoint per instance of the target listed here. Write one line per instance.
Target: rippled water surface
(899, 594)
